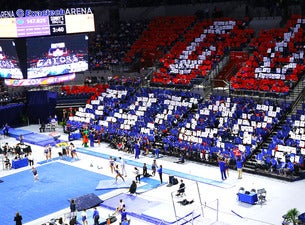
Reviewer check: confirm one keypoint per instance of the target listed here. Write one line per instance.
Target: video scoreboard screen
(44, 47)
(27, 23)
(52, 56)
(9, 63)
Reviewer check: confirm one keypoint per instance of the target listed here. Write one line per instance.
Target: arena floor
(203, 185)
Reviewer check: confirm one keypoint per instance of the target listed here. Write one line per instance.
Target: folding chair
(261, 195)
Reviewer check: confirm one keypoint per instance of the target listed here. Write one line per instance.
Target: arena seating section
(181, 122)
(277, 61)
(200, 50)
(185, 51)
(108, 49)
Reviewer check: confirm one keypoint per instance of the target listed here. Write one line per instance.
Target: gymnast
(118, 174)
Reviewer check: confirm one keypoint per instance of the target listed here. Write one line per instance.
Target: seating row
(203, 46)
(181, 121)
(277, 62)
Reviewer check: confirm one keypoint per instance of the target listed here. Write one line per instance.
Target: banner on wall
(39, 81)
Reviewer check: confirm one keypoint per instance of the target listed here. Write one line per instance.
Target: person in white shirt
(137, 174)
(30, 159)
(123, 170)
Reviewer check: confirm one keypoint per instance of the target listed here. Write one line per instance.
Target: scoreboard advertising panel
(28, 23)
(55, 44)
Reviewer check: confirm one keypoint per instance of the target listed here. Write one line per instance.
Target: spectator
(18, 219)
(222, 168)
(239, 166)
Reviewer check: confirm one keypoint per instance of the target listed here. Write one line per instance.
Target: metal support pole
(174, 208)
(201, 205)
(217, 208)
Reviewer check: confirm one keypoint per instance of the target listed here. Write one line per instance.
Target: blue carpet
(50, 194)
(218, 183)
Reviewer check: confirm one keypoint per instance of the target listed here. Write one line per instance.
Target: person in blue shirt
(157, 152)
(96, 216)
(273, 164)
(5, 129)
(239, 167)
(160, 173)
(222, 167)
(137, 150)
(91, 138)
(123, 215)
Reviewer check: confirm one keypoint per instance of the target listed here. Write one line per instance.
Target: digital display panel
(9, 63)
(33, 26)
(29, 23)
(8, 27)
(79, 23)
(57, 25)
(52, 56)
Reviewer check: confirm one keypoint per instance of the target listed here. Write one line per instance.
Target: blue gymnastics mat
(152, 211)
(50, 194)
(217, 183)
(112, 184)
(64, 158)
(39, 139)
(16, 132)
(145, 185)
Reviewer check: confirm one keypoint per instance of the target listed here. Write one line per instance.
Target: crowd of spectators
(15, 97)
(110, 43)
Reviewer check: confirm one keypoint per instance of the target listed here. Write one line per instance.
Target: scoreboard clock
(57, 25)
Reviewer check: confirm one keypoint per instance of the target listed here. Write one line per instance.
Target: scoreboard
(44, 23)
